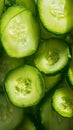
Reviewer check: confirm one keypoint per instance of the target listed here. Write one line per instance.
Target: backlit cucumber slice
(19, 32)
(24, 86)
(52, 56)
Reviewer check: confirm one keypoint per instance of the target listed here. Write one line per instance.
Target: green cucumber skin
(61, 30)
(40, 91)
(39, 53)
(69, 72)
(69, 80)
(64, 108)
(31, 31)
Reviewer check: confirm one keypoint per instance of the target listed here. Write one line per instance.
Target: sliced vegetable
(56, 15)
(62, 101)
(24, 86)
(70, 71)
(19, 32)
(52, 56)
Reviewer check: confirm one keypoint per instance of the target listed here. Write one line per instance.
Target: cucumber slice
(6, 64)
(56, 15)
(19, 32)
(51, 120)
(10, 116)
(62, 101)
(24, 86)
(70, 71)
(52, 56)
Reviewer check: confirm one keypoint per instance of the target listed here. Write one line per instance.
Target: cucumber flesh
(56, 15)
(52, 56)
(19, 32)
(24, 83)
(62, 101)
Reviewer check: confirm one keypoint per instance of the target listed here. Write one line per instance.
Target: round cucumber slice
(10, 116)
(56, 15)
(62, 101)
(52, 56)
(19, 32)
(24, 86)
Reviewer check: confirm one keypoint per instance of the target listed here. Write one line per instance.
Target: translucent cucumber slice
(19, 32)
(62, 101)
(24, 86)
(56, 15)
(52, 56)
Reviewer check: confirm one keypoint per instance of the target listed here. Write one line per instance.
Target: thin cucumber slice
(51, 120)
(6, 64)
(62, 101)
(10, 116)
(56, 15)
(24, 86)
(52, 56)
(19, 32)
